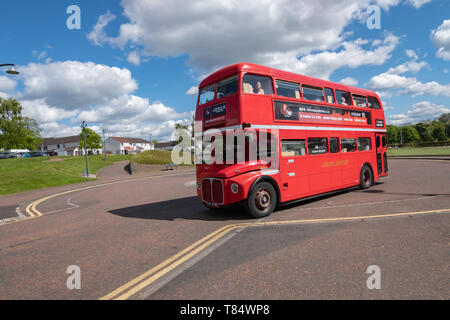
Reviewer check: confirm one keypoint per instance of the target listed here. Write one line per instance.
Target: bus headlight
(199, 185)
(234, 188)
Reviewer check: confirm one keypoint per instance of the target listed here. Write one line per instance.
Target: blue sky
(130, 67)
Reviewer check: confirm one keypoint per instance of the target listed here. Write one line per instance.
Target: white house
(120, 145)
(65, 146)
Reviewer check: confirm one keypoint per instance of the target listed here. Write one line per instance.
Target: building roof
(166, 144)
(130, 140)
(62, 140)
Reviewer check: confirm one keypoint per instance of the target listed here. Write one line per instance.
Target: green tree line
(426, 131)
(17, 131)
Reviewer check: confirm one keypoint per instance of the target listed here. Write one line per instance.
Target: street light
(11, 71)
(83, 128)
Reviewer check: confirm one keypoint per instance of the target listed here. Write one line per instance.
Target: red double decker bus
(324, 137)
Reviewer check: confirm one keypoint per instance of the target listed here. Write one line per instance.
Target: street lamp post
(83, 128)
(104, 141)
(11, 71)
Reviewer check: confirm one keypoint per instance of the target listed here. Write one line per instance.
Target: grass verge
(153, 157)
(19, 175)
(437, 151)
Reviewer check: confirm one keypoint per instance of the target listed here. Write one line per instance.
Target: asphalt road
(125, 236)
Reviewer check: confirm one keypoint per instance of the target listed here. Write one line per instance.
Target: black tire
(366, 178)
(261, 201)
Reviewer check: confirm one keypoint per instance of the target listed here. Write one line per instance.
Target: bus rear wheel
(366, 179)
(261, 201)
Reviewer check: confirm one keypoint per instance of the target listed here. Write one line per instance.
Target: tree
(410, 134)
(93, 140)
(425, 131)
(17, 131)
(445, 118)
(393, 134)
(439, 132)
(155, 141)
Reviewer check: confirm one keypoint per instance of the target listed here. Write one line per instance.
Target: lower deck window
(292, 148)
(317, 146)
(364, 144)
(348, 145)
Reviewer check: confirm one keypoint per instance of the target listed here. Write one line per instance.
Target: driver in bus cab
(259, 89)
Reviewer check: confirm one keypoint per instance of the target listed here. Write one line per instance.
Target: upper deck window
(343, 98)
(373, 103)
(257, 84)
(207, 94)
(227, 87)
(359, 101)
(312, 93)
(288, 89)
(329, 95)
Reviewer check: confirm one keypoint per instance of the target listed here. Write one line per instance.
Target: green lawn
(18, 175)
(153, 157)
(432, 151)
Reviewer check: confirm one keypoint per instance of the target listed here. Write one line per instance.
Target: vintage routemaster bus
(325, 137)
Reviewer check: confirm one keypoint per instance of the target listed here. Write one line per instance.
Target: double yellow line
(134, 286)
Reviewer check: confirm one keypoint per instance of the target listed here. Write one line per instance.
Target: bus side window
(373, 103)
(348, 145)
(343, 97)
(329, 95)
(364, 144)
(257, 84)
(292, 148)
(317, 146)
(334, 145)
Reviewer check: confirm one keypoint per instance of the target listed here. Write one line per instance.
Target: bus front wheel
(261, 201)
(366, 178)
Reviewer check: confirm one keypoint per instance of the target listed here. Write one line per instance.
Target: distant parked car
(35, 154)
(51, 153)
(6, 156)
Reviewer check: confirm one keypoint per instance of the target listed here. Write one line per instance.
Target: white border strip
(273, 127)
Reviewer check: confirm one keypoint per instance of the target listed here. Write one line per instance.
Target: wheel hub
(263, 199)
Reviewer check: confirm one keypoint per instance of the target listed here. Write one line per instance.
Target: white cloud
(411, 54)
(418, 3)
(193, 91)
(420, 111)
(43, 113)
(98, 35)
(349, 81)
(134, 58)
(75, 85)
(393, 80)
(350, 54)
(7, 85)
(73, 91)
(56, 129)
(218, 33)
(441, 39)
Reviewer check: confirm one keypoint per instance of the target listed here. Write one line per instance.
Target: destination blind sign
(320, 114)
(216, 113)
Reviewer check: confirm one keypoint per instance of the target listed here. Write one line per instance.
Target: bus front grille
(212, 190)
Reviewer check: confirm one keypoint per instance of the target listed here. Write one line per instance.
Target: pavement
(149, 237)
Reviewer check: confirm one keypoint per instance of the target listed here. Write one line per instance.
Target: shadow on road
(180, 209)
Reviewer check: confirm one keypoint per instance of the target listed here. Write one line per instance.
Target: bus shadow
(404, 193)
(301, 202)
(180, 209)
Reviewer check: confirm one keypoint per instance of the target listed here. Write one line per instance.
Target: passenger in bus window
(344, 101)
(259, 89)
(248, 88)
